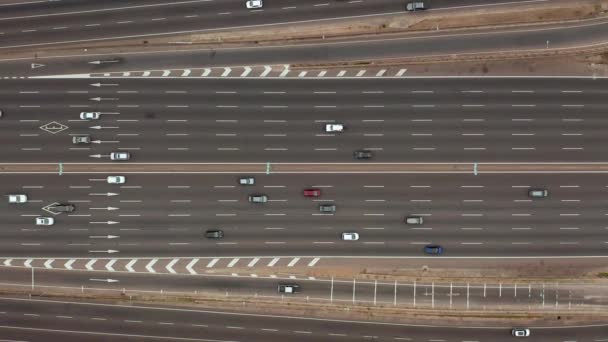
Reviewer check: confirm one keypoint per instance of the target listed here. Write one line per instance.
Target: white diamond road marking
(212, 262)
(190, 265)
(293, 262)
(169, 267)
(273, 261)
(253, 262)
(89, 264)
(53, 127)
(130, 265)
(233, 262)
(150, 264)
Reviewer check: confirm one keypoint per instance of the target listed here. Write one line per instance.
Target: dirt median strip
(301, 168)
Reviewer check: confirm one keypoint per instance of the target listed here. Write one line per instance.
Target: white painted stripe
(401, 72)
(233, 262)
(130, 265)
(322, 73)
(7, 262)
(146, 74)
(380, 73)
(212, 262)
(273, 261)
(285, 71)
(169, 267)
(27, 263)
(150, 264)
(293, 262)
(360, 73)
(246, 71)
(313, 262)
(342, 73)
(190, 265)
(303, 73)
(253, 262)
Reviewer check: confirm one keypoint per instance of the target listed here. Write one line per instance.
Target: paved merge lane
(64, 21)
(162, 215)
(405, 120)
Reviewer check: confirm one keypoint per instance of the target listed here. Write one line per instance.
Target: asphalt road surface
(45, 320)
(167, 216)
(275, 120)
(38, 23)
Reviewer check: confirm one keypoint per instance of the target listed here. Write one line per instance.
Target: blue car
(433, 249)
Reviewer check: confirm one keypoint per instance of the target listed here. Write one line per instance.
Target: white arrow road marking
(206, 72)
(226, 72)
(190, 265)
(150, 264)
(212, 263)
(266, 71)
(110, 264)
(108, 280)
(28, 263)
(7, 262)
(293, 262)
(233, 262)
(246, 72)
(68, 264)
(253, 262)
(401, 72)
(169, 266)
(36, 65)
(273, 261)
(186, 72)
(166, 73)
(49, 263)
(313, 262)
(89, 264)
(130, 265)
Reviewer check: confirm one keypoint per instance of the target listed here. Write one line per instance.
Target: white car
(253, 4)
(116, 179)
(520, 332)
(45, 221)
(120, 156)
(334, 127)
(90, 115)
(17, 198)
(350, 236)
(247, 181)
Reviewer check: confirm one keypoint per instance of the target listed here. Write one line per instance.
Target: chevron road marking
(68, 264)
(273, 261)
(49, 263)
(303, 73)
(266, 71)
(146, 74)
(110, 264)
(322, 73)
(89, 264)
(212, 262)
(313, 262)
(7, 262)
(233, 262)
(150, 264)
(169, 266)
(293, 262)
(190, 265)
(253, 262)
(226, 72)
(246, 72)
(285, 71)
(206, 72)
(186, 72)
(28, 263)
(166, 73)
(129, 266)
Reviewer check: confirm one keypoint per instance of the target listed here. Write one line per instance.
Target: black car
(363, 154)
(214, 234)
(63, 208)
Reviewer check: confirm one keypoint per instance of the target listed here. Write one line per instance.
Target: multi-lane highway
(261, 120)
(165, 215)
(40, 23)
(47, 320)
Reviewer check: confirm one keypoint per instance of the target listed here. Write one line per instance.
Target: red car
(312, 192)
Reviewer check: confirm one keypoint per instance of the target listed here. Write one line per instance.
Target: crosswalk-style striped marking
(150, 264)
(110, 265)
(212, 262)
(401, 72)
(49, 263)
(68, 264)
(190, 265)
(89, 265)
(233, 262)
(360, 73)
(273, 261)
(169, 266)
(342, 73)
(313, 262)
(130, 265)
(293, 262)
(253, 262)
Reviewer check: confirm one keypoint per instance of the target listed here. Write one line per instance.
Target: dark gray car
(63, 208)
(363, 154)
(327, 208)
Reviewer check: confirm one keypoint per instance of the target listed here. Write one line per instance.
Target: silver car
(120, 156)
(45, 221)
(258, 198)
(81, 139)
(538, 193)
(247, 181)
(90, 115)
(17, 198)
